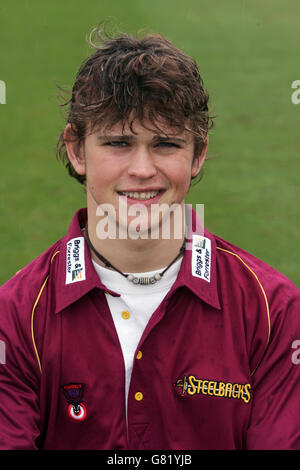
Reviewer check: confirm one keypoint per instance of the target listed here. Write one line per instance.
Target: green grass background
(248, 52)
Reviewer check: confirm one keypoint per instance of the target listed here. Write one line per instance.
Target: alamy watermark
(295, 97)
(2, 352)
(157, 221)
(2, 92)
(296, 354)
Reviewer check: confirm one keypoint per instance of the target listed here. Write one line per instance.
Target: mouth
(141, 195)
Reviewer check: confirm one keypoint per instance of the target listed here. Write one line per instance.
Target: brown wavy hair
(131, 78)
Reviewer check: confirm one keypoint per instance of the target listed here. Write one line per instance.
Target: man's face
(137, 170)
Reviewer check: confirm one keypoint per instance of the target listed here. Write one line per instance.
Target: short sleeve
(19, 389)
(275, 415)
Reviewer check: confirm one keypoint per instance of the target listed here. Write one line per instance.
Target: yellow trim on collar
(32, 315)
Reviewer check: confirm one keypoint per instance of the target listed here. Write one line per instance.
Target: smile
(140, 195)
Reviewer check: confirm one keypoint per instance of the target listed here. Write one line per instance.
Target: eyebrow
(130, 138)
(114, 137)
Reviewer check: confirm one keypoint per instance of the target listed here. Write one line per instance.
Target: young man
(120, 337)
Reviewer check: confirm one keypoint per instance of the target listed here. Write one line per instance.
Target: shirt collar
(205, 290)
(67, 293)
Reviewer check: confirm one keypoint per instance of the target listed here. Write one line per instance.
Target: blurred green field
(248, 52)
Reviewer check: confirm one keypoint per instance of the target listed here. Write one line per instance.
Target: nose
(141, 164)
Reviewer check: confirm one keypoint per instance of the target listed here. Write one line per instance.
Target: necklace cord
(109, 265)
(104, 260)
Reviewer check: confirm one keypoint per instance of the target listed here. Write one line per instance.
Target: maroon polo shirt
(216, 367)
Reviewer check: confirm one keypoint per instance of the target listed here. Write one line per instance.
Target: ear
(199, 159)
(74, 151)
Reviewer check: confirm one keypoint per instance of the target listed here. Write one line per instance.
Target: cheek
(101, 175)
(181, 177)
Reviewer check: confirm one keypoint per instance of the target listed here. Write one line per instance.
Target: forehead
(145, 128)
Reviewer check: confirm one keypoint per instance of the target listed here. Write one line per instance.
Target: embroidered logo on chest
(73, 392)
(191, 385)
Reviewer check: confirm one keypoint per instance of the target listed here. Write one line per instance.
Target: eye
(116, 143)
(167, 144)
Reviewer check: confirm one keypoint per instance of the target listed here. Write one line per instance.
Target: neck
(141, 255)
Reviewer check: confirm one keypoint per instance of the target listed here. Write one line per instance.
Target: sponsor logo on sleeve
(75, 264)
(201, 257)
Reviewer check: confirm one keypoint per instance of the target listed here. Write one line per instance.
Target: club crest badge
(73, 393)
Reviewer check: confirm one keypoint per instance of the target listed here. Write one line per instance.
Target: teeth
(141, 195)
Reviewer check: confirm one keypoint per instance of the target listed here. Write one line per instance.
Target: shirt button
(138, 396)
(139, 355)
(125, 315)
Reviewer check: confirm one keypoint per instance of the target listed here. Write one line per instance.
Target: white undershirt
(140, 301)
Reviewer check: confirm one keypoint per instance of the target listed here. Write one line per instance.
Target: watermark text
(158, 221)
(296, 354)
(295, 97)
(2, 352)
(2, 92)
